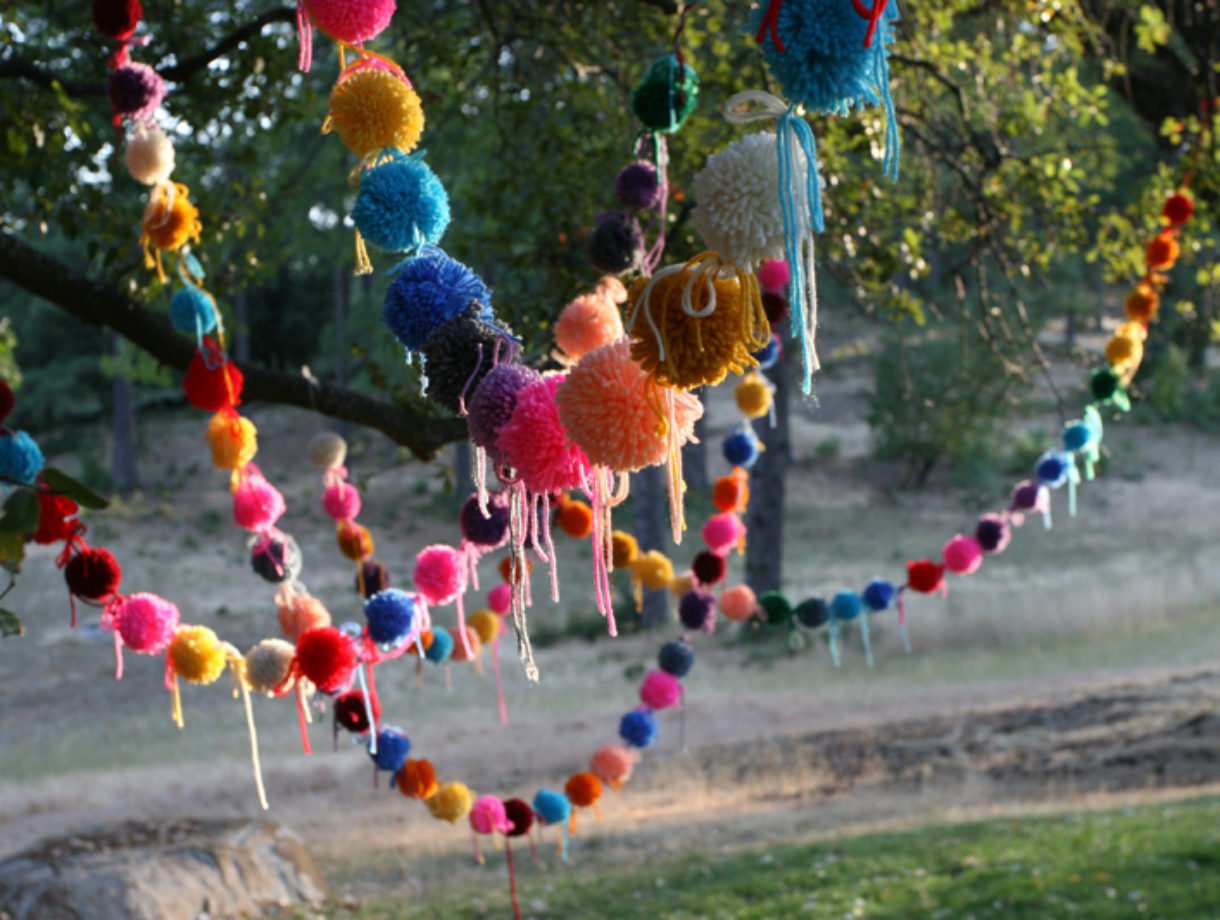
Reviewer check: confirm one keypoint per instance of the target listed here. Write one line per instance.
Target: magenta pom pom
(145, 622)
(500, 599)
(773, 276)
(440, 574)
(722, 532)
(257, 504)
(963, 555)
(535, 444)
(488, 816)
(660, 690)
(352, 21)
(341, 500)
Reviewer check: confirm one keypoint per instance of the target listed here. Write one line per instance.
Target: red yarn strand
(770, 25)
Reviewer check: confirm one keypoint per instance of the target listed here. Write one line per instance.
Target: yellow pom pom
(654, 570)
(680, 584)
(196, 654)
(485, 623)
(753, 396)
(624, 549)
(373, 110)
(451, 802)
(1126, 349)
(233, 439)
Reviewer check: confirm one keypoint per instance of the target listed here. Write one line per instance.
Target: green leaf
(60, 482)
(20, 514)
(10, 625)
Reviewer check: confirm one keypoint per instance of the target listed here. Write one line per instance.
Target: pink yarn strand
(552, 562)
(304, 38)
(118, 655)
(461, 618)
(301, 721)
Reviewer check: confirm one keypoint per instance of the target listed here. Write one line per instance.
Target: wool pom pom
(773, 276)
(352, 713)
(56, 519)
(269, 665)
(327, 450)
(1053, 468)
(608, 406)
(925, 576)
(170, 225)
(776, 609)
(1078, 436)
(1142, 303)
(616, 244)
(393, 746)
(117, 18)
(486, 533)
(552, 807)
(812, 613)
(372, 578)
(440, 574)
(520, 816)
(709, 568)
(654, 570)
(232, 439)
(276, 559)
(459, 354)
(351, 21)
(738, 210)
(150, 154)
(753, 396)
(341, 500)
(298, 613)
(992, 533)
(612, 764)
(1124, 351)
(1027, 496)
(1104, 384)
(196, 654)
(355, 541)
(145, 622)
(846, 605)
(1162, 252)
(583, 789)
(1178, 208)
(451, 802)
(660, 690)
(639, 187)
(326, 657)
(624, 549)
(722, 532)
(738, 603)
(575, 518)
(212, 381)
(417, 779)
(500, 599)
(676, 658)
(257, 504)
(473, 643)
(742, 447)
(485, 624)
(586, 324)
(93, 574)
(431, 289)
(681, 585)
(768, 355)
(21, 459)
(136, 90)
(489, 816)
(493, 402)
(534, 443)
(962, 555)
(442, 645)
(374, 110)
(731, 492)
(401, 206)
(509, 572)
(666, 95)
(390, 615)
(878, 595)
(639, 728)
(609, 287)
(193, 311)
(776, 307)
(697, 611)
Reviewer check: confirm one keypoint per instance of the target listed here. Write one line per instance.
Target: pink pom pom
(257, 504)
(535, 444)
(146, 622)
(341, 500)
(488, 815)
(440, 574)
(660, 690)
(963, 555)
(738, 603)
(352, 21)
(612, 764)
(586, 324)
(722, 532)
(773, 276)
(500, 599)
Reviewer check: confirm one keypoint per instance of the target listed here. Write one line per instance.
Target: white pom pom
(150, 154)
(327, 450)
(737, 211)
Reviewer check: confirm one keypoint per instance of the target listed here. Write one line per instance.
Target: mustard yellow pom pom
(654, 570)
(373, 110)
(233, 439)
(171, 224)
(451, 802)
(196, 654)
(624, 549)
(485, 623)
(753, 396)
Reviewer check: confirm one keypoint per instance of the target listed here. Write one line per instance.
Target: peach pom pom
(586, 324)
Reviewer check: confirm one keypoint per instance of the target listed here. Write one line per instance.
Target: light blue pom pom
(193, 311)
(402, 205)
(21, 459)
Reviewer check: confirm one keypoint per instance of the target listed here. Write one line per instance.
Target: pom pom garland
(298, 612)
(486, 626)
(616, 244)
(269, 665)
(430, 290)
(136, 91)
(768, 355)
(709, 568)
(533, 441)
(1142, 303)
(233, 440)
(1162, 253)
(925, 576)
(588, 323)
(732, 492)
(193, 311)
(117, 18)
(552, 807)
(776, 609)
(613, 765)
(520, 816)
(992, 533)
(371, 578)
(417, 779)
(489, 816)
(753, 396)
(470, 649)
(846, 606)
(492, 403)
(390, 617)
(212, 382)
(583, 789)
(6, 400)
(351, 21)
(276, 558)
(257, 504)
(742, 447)
(196, 654)
(697, 612)
(812, 613)
(327, 450)
(722, 532)
(441, 648)
(145, 622)
(451, 802)
(1178, 208)
(458, 355)
(93, 573)
(624, 549)
(676, 658)
(341, 501)
(654, 570)
(352, 711)
(638, 728)
(484, 533)
(878, 595)
(440, 574)
(962, 555)
(666, 96)
(390, 752)
(575, 518)
(355, 541)
(170, 222)
(773, 276)
(373, 110)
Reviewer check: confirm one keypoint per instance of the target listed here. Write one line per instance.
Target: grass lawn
(1147, 862)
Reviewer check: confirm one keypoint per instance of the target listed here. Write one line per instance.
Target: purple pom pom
(493, 402)
(639, 187)
(486, 533)
(697, 610)
(136, 90)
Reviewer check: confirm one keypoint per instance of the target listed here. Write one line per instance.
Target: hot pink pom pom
(963, 555)
(488, 815)
(773, 276)
(612, 764)
(146, 622)
(660, 690)
(257, 504)
(738, 603)
(341, 500)
(500, 599)
(440, 574)
(586, 324)
(352, 21)
(722, 532)
(535, 444)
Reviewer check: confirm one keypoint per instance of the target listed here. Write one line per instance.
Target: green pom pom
(667, 95)
(775, 607)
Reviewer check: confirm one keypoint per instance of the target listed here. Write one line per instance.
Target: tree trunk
(694, 455)
(241, 335)
(765, 518)
(648, 498)
(123, 473)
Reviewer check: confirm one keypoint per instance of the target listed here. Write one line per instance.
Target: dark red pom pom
(93, 574)
(6, 400)
(1178, 208)
(117, 18)
(925, 576)
(521, 816)
(351, 714)
(776, 307)
(708, 568)
(56, 518)
(326, 657)
(212, 381)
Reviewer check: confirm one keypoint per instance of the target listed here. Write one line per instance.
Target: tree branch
(101, 304)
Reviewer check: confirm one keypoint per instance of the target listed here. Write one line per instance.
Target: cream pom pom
(327, 450)
(150, 153)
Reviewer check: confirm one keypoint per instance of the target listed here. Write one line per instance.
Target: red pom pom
(117, 18)
(1178, 208)
(6, 400)
(56, 518)
(212, 381)
(351, 714)
(925, 576)
(93, 574)
(326, 657)
(708, 568)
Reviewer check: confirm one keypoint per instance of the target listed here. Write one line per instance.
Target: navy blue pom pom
(639, 728)
(390, 614)
(741, 448)
(1053, 468)
(879, 594)
(676, 658)
(812, 613)
(402, 205)
(392, 749)
(768, 355)
(431, 289)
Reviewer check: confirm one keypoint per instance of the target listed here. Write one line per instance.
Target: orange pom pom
(425, 639)
(1143, 303)
(732, 492)
(613, 763)
(475, 643)
(355, 541)
(233, 440)
(583, 789)
(1163, 251)
(576, 519)
(417, 779)
(506, 569)
(170, 221)
(586, 324)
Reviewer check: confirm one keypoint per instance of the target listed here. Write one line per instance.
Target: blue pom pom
(639, 728)
(390, 614)
(767, 356)
(431, 289)
(392, 749)
(193, 311)
(1077, 436)
(879, 594)
(846, 605)
(676, 658)
(552, 807)
(1052, 469)
(20, 459)
(402, 205)
(741, 448)
(441, 647)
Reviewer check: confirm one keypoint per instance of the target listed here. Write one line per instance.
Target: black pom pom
(459, 354)
(617, 244)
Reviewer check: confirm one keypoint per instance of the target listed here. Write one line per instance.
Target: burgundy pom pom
(93, 574)
(374, 576)
(708, 568)
(521, 815)
(6, 400)
(351, 714)
(117, 18)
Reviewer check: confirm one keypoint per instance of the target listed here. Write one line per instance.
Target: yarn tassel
(516, 529)
(175, 699)
(304, 38)
(512, 878)
(368, 710)
(495, 665)
(364, 265)
(118, 655)
(563, 844)
(673, 469)
(903, 634)
(832, 634)
(866, 640)
(533, 849)
(602, 553)
(253, 732)
(303, 717)
(480, 479)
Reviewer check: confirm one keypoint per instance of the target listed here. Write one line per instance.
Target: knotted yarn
(430, 290)
(149, 154)
(667, 95)
(373, 110)
(401, 206)
(21, 458)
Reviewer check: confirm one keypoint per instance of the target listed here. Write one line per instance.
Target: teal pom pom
(441, 647)
(193, 311)
(402, 205)
(21, 459)
(552, 807)
(846, 605)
